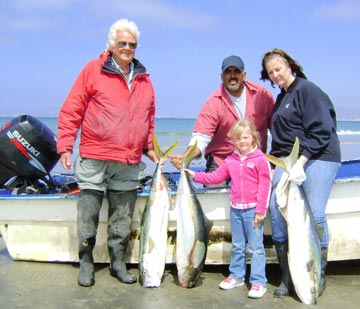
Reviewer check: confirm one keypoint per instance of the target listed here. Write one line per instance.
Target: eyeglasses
(122, 44)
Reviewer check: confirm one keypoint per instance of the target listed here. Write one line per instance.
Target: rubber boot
(121, 208)
(86, 275)
(286, 285)
(324, 255)
(88, 209)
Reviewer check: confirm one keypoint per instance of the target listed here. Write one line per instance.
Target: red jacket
(116, 123)
(218, 115)
(250, 179)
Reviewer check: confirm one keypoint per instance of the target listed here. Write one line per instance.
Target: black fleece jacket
(307, 112)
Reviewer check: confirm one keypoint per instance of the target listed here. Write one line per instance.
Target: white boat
(42, 227)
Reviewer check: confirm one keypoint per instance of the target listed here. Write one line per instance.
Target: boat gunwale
(60, 196)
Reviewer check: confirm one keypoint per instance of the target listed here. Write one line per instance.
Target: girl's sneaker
(230, 283)
(257, 291)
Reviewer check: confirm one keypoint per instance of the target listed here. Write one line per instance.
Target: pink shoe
(230, 283)
(257, 291)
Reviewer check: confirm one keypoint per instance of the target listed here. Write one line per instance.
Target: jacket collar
(109, 67)
(250, 154)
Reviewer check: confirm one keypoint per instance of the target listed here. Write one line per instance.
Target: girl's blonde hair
(240, 126)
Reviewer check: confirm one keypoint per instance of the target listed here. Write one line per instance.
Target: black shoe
(282, 291)
(123, 276)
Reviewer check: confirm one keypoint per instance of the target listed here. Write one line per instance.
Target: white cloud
(33, 15)
(31, 23)
(27, 23)
(76, 16)
(345, 10)
(157, 11)
(40, 5)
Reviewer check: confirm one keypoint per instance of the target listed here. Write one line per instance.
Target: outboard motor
(27, 149)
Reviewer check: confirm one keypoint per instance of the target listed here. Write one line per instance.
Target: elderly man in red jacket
(113, 103)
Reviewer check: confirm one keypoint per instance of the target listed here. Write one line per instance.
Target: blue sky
(45, 43)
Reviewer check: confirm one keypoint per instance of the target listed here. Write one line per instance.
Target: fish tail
(190, 155)
(161, 155)
(286, 163)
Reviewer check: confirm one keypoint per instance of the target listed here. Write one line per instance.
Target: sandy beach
(25, 284)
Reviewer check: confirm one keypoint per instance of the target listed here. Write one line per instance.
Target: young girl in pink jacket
(250, 183)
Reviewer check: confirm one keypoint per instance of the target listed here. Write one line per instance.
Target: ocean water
(168, 130)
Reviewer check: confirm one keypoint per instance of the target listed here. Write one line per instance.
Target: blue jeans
(244, 232)
(320, 176)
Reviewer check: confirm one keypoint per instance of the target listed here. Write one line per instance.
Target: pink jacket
(116, 123)
(218, 115)
(250, 179)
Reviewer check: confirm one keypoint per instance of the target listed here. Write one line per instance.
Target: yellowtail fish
(304, 255)
(193, 229)
(154, 224)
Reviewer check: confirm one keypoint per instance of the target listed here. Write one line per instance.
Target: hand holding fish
(176, 160)
(189, 172)
(152, 156)
(297, 173)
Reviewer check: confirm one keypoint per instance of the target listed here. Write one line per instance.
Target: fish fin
(277, 161)
(188, 158)
(157, 149)
(161, 155)
(209, 225)
(171, 148)
(309, 265)
(197, 255)
(289, 161)
(294, 155)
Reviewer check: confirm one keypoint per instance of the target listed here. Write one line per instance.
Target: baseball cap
(233, 61)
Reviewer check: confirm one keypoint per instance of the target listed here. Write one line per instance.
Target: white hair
(121, 25)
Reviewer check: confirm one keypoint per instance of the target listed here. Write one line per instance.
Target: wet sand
(25, 284)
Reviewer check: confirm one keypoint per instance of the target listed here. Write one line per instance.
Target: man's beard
(233, 88)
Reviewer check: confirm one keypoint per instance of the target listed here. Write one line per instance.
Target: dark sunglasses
(122, 44)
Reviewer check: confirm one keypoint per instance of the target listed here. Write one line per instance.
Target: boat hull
(43, 227)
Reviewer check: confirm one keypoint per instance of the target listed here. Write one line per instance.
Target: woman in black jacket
(301, 110)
